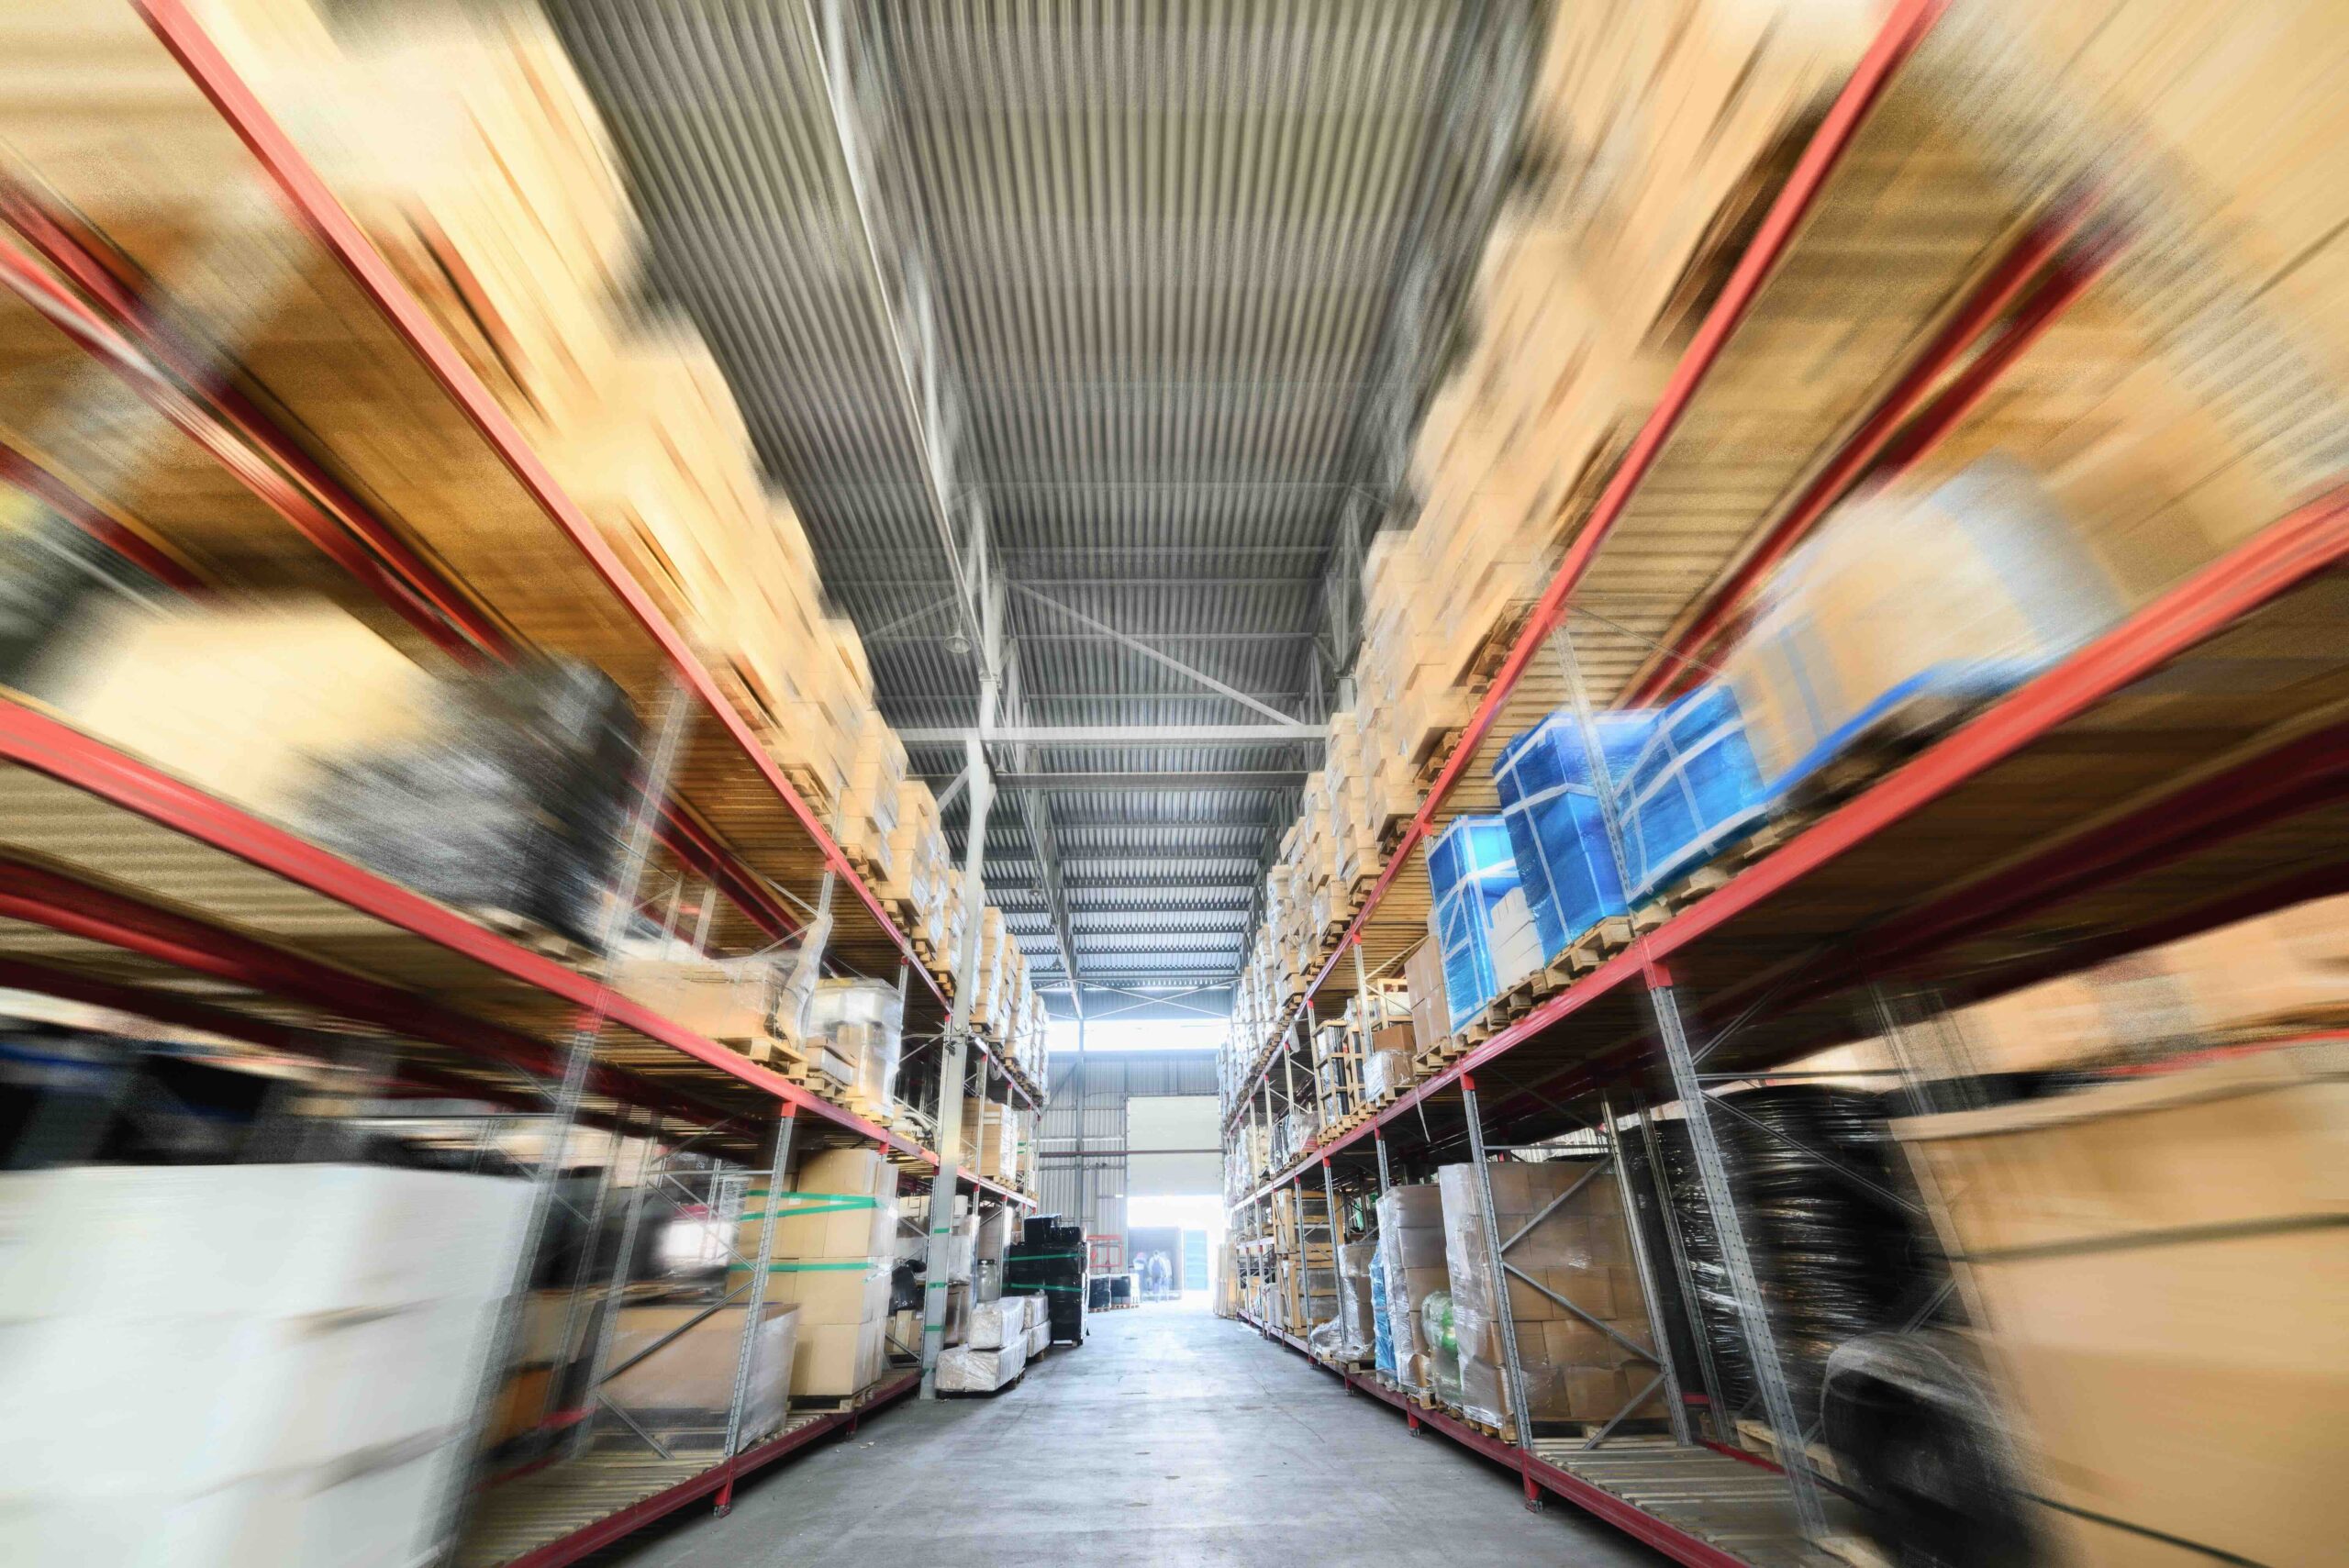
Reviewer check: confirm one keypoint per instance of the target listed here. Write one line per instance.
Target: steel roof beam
(1288, 733)
(1157, 783)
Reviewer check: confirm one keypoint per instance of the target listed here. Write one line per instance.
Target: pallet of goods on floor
(424, 672)
(1870, 625)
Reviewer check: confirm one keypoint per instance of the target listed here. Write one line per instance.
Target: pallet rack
(124, 888)
(2143, 790)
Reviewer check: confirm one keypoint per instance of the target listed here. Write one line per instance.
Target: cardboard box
(836, 1360)
(833, 1291)
(2159, 1279)
(248, 704)
(694, 1374)
(843, 1204)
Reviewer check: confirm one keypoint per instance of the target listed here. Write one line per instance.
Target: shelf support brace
(956, 1057)
(1712, 1168)
(1512, 1369)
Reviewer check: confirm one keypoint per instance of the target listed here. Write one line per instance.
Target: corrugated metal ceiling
(1168, 245)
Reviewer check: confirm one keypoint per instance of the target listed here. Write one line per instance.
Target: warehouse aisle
(1173, 1439)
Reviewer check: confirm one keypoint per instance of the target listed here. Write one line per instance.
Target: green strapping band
(811, 1268)
(1043, 1257)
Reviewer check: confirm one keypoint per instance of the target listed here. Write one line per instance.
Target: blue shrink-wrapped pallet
(1692, 790)
(1383, 1341)
(1470, 869)
(1555, 831)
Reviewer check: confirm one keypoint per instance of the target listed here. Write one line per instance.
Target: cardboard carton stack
(1651, 130)
(991, 1138)
(1430, 1010)
(876, 780)
(835, 1240)
(1573, 1370)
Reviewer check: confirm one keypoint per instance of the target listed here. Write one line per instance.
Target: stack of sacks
(1411, 1254)
(1556, 832)
(1040, 1325)
(1469, 871)
(835, 1241)
(861, 1024)
(1573, 1370)
(251, 1364)
(993, 1352)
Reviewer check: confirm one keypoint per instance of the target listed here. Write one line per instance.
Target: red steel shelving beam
(1903, 31)
(101, 316)
(2312, 539)
(314, 207)
(47, 746)
(17, 470)
(163, 1006)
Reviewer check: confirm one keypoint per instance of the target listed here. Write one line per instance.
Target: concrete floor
(1170, 1438)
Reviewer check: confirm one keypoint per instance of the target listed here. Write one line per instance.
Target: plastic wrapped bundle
(1411, 1257)
(1906, 610)
(860, 1020)
(1470, 870)
(1382, 1331)
(1692, 790)
(1833, 1261)
(1556, 833)
(966, 1370)
(1357, 1261)
(515, 799)
(1436, 1332)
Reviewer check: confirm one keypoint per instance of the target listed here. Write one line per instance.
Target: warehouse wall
(1110, 1079)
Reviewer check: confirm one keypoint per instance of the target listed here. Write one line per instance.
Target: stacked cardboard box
(1573, 1370)
(835, 1241)
(991, 1136)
